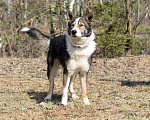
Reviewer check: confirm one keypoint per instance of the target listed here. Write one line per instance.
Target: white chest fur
(79, 56)
(77, 64)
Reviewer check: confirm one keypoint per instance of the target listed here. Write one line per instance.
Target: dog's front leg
(66, 83)
(83, 79)
(73, 94)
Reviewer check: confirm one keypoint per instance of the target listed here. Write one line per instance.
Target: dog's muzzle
(73, 32)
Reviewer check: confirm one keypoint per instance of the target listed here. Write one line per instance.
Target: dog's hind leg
(72, 92)
(51, 73)
(66, 83)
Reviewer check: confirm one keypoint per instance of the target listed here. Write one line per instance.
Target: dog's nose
(73, 32)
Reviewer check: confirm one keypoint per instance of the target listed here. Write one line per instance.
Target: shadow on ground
(128, 82)
(39, 96)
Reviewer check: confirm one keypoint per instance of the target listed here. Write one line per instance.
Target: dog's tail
(42, 39)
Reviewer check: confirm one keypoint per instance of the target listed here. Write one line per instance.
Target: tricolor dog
(73, 51)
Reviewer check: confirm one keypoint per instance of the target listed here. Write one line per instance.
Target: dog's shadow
(39, 96)
(129, 83)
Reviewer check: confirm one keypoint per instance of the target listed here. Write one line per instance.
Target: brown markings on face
(72, 25)
(81, 26)
(84, 27)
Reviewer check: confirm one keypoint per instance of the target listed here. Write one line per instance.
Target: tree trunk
(71, 5)
(47, 2)
(26, 6)
(128, 29)
(138, 10)
(64, 5)
(0, 47)
(101, 4)
(78, 7)
(128, 16)
(9, 8)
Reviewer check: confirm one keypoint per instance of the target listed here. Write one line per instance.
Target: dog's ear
(70, 16)
(89, 18)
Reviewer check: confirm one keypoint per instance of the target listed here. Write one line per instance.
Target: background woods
(121, 27)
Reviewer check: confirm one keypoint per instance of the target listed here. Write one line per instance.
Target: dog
(73, 51)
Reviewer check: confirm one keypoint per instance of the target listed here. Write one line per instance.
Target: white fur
(76, 28)
(65, 96)
(25, 29)
(80, 54)
(86, 101)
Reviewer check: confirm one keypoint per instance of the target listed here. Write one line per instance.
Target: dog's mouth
(75, 36)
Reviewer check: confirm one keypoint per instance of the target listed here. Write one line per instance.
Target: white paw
(49, 97)
(74, 96)
(64, 101)
(86, 101)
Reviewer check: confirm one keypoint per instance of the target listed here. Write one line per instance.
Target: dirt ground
(118, 89)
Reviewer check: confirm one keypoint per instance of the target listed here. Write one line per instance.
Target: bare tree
(0, 47)
(144, 15)
(26, 5)
(64, 6)
(138, 9)
(71, 5)
(9, 5)
(101, 3)
(128, 16)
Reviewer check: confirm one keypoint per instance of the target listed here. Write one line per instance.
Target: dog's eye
(81, 25)
(72, 25)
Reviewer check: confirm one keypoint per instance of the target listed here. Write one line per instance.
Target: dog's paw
(64, 101)
(48, 97)
(86, 101)
(74, 96)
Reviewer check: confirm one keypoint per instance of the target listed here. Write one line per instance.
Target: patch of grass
(143, 105)
(117, 89)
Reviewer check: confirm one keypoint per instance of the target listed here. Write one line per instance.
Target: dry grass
(118, 89)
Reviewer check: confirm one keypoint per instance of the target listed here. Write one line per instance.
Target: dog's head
(79, 29)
